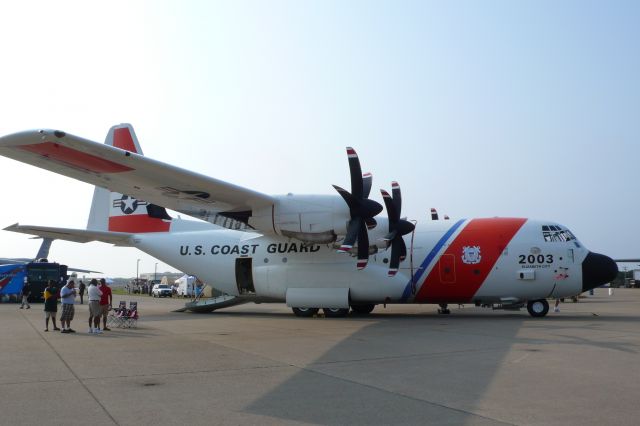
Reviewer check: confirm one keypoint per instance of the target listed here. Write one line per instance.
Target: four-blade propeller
(361, 208)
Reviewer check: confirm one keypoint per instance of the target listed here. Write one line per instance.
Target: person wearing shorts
(106, 300)
(95, 312)
(68, 297)
(50, 305)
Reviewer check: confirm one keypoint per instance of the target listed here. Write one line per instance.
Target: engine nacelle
(317, 219)
(310, 218)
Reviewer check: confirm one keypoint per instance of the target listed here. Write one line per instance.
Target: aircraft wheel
(538, 308)
(363, 309)
(305, 312)
(335, 312)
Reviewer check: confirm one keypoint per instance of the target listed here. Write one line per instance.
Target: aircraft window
(553, 233)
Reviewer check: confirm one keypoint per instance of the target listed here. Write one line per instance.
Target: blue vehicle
(12, 279)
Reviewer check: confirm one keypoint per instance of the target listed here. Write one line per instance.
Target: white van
(186, 285)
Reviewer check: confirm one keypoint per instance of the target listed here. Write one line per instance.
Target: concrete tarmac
(259, 364)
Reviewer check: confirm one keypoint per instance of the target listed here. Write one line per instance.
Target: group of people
(100, 301)
(137, 288)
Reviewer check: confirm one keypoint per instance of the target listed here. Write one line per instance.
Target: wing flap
(121, 171)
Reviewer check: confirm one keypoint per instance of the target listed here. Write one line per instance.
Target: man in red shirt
(106, 300)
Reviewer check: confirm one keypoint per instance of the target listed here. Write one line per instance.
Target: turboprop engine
(348, 220)
(314, 219)
(317, 219)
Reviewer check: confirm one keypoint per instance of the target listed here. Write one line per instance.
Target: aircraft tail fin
(43, 252)
(115, 212)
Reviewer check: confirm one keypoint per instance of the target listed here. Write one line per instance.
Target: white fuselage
(479, 261)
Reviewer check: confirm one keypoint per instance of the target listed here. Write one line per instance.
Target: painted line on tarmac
(73, 373)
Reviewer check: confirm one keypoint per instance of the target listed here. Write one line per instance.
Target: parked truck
(12, 279)
(186, 285)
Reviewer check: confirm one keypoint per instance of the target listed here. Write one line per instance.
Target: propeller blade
(394, 262)
(348, 198)
(369, 208)
(405, 227)
(363, 246)
(371, 223)
(394, 215)
(352, 233)
(367, 180)
(357, 189)
(397, 196)
(434, 214)
(403, 250)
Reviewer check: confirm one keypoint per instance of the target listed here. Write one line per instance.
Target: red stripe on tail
(137, 223)
(122, 139)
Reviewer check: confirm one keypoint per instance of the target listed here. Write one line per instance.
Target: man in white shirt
(68, 298)
(95, 311)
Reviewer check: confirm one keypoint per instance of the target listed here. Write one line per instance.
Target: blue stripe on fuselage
(427, 261)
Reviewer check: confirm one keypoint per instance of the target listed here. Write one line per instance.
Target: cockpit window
(553, 233)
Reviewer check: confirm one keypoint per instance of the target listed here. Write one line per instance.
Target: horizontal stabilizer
(76, 235)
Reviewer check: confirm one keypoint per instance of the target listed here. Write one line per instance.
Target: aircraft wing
(140, 177)
(84, 271)
(76, 235)
(14, 260)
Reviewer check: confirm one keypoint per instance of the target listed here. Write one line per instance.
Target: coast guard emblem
(471, 255)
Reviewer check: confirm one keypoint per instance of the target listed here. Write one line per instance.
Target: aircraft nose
(597, 269)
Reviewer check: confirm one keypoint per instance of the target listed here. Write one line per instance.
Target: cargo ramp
(211, 304)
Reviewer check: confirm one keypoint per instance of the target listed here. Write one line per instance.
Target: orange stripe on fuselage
(453, 281)
(137, 224)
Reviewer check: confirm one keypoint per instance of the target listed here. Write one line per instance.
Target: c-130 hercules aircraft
(300, 249)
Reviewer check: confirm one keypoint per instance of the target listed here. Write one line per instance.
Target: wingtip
(10, 227)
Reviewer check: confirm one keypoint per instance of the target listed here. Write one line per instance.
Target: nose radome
(597, 269)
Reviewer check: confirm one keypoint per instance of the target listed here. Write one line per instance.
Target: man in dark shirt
(26, 292)
(50, 305)
(81, 289)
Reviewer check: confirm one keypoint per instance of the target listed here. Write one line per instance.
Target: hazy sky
(477, 108)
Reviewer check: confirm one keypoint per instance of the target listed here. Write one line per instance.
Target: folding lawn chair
(115, 315)
(130, 317)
